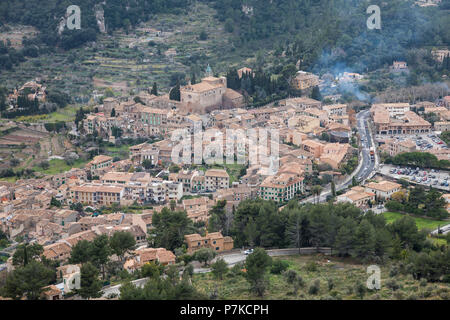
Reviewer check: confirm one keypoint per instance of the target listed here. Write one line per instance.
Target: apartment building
(302, 103)
(394, 147)
(144, 151)
(335, 109)
(335, 154)
(281, 187)
(312, 147)
(216, 179)
(97, 194)
(98, 163)
(442, 126)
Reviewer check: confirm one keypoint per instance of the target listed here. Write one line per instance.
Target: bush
(398, 295)
(311, 266)
(412, 297)
(314, 287)
(394, 271)
(392, 284)
(300, 281)
(394, 206)
(360, 289)
(279, 266)
(330, 283)
(236, 270)
(290, 275)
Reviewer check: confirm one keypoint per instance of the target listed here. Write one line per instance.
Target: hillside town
(316, 140)
(224, 150)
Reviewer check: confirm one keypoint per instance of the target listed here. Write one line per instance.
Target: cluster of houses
(366, 195)
(397, 125)
(302, 123)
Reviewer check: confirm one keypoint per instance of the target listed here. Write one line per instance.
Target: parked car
(249, 251)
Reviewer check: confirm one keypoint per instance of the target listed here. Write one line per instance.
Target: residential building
(304, 80)
(149, 255)
(99, 162)
(383, 189)
(97, 194)
(358, 197)
(215, 241)
(282, 187)
(216, 179)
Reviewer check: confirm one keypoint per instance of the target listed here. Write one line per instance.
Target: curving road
(366, 167)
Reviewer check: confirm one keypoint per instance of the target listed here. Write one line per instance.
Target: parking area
(423, 141)
(431, 141)
(427, 177)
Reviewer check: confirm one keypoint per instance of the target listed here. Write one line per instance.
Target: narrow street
(366, 166)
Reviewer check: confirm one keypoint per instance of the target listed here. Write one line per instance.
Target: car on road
(249, 251)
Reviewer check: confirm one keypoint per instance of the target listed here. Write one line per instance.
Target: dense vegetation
(258, 223)
(334, 33)
(323, 35)
(418, 159)
(419, 202)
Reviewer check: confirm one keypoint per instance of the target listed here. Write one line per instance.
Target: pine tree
(333, 189)
(90, 284)
(344, 242)
(175, 92)
(316, 94)
(154, 89)
(364, 244)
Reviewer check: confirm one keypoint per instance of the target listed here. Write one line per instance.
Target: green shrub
(311, 266)
(314, 287)
(278, 266)
(394, 271)
(290, 275)
(330, 283)
(423, 282)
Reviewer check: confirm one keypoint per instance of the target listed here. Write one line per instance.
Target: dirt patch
(101, 83)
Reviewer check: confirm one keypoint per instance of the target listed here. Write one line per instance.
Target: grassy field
(65, 114)
(233, 170)
(422, 223)
(59, 166)
(121, 152)
(345, 274)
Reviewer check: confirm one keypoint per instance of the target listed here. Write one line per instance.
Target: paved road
(366, 167)
(116, 289)
(230, 258)
(445, 229)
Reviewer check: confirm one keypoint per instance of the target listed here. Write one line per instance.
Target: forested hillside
(324, 34)
(45, 15)
(329, 32)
